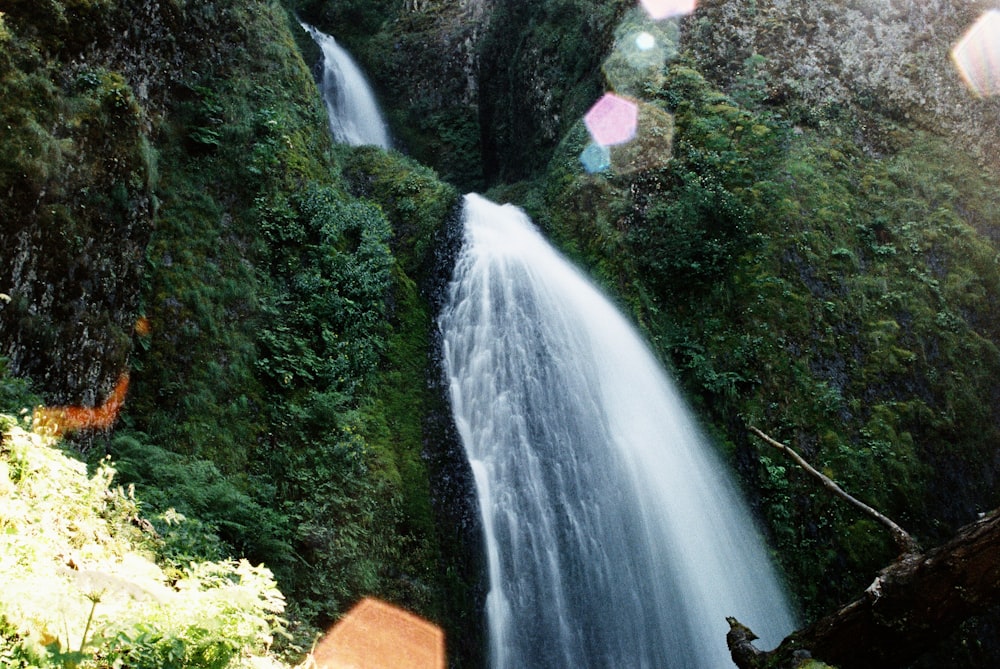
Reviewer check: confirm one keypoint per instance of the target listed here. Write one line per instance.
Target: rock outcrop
(886, 60)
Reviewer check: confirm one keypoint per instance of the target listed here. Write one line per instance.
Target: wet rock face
(885, 57)
(540, 70)
(426, 66)
(77, 216)
(76, 182)
(456, 506)
(482, 90)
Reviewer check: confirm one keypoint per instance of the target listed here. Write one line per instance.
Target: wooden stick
(903, 540)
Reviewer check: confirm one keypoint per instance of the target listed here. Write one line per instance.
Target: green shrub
(15, 393)
(83, 587)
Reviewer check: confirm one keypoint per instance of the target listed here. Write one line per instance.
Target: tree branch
(913, 603)
(904, 542)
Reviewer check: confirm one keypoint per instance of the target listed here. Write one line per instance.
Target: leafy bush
(412, 197)
(322, 351)
(326, 325)
(198, 511)
(83, 587)
(15, 393)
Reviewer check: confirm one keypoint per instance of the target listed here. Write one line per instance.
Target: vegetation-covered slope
(278, 375)
(795, 280)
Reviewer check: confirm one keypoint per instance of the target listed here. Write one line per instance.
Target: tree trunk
(913, 604)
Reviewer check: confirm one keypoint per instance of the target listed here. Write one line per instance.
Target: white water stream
(354, 113)
(615, 538)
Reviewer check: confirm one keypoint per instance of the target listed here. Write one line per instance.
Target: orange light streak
(60, 420)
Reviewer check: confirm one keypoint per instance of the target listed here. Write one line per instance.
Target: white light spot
(645, 41)
(664, 9)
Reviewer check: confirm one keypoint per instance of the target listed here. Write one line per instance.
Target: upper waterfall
(351, 107)
(614, 536)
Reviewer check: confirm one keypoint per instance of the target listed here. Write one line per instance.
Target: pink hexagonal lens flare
(664, 9)
(612, 120)
(977, 55)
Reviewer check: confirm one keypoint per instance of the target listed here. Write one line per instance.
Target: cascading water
(614, 537)
(354, 114)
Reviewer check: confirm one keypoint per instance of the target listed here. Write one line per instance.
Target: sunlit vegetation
(15, 393)
(88, 584)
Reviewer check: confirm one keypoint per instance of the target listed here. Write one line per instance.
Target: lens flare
(377, 635)
(595, 158)
(652, 147)
(612, 120)
(664, 9)
(642, 48)
(644, 41)
(143, 326)
(977, 55)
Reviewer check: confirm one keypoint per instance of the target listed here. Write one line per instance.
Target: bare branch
(902, 538)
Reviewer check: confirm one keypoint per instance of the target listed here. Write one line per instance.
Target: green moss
(414, 198)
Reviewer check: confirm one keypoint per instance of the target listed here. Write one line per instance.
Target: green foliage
(199, 512)
(15, 394)
(412, 196)
(233, 136)
(70, 24)
(358, 510)
(84, 588)
(692, 236)
(694, 218)
(325, 327)
(256, 412)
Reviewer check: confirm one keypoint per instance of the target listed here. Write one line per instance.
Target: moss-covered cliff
(77, 171)
(177, 172)
(825, 270)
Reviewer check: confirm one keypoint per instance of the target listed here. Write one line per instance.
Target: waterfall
(354, 113)
(614, 536)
